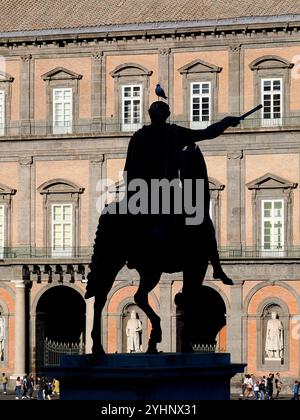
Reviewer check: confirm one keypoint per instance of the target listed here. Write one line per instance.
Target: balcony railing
(37, 128)
(24, 252)
(35, 253)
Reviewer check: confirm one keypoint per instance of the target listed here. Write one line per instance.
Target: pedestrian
(4, 383)
(278, 384)
(296, 390)
(18, 388)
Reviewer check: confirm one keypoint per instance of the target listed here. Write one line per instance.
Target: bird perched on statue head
(160, 92)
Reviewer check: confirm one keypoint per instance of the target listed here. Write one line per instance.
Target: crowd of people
(265, 388)
(29, 387)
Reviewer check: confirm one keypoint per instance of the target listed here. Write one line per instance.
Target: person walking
(4, 383)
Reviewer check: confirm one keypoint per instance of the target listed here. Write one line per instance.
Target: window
(200, 104)
(200, 85)
(62, 229)
(131, 107)
(2, 112)
(2, 230)
(272, 101)
(272, 227)
(62, 111)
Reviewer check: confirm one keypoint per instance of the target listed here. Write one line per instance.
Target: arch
(9, 289)
(270, 62)
(221, 293)
(56, 321)
(130, 69)
(4, 307)
(48, 287)
(59, 186)
(272, 300)
(259, 286)
(126, 284)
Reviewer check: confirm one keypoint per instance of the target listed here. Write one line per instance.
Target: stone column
(89, 317)
(235, 338)
(26, 96)
(96, 173)
(164, 71)
(20, 323)
(96, 97)
(24, 201)
(165, 289)
(234, 85)
(234, 199)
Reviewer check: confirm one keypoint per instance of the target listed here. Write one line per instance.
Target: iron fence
(54, 350)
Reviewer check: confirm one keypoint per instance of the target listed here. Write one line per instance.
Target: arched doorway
(209, 328)
(60, 318)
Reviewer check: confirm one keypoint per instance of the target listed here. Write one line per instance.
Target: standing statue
(2, 337)
(274, 338)
(133, 333)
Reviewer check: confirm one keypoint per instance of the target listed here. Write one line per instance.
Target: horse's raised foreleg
(147, 282)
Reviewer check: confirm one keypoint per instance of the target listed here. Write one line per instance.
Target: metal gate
(53, 350)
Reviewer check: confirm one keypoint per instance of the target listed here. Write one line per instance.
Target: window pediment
(5, 191)
(199, 66)
(270, 181)
(4, 77)
(130, 69)
(214, 184)
(60, 186)
(60, 73)
(268, 62)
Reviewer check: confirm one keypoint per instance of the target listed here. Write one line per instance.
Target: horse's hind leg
(96, 331)
(147, 282)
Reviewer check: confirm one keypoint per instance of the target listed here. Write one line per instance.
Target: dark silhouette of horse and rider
(154, 243)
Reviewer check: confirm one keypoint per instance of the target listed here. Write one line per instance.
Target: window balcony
(110, 125)
(39, 253)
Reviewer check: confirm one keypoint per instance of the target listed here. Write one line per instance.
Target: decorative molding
(130, 69)
(97, 55)
(214, 184)
(235, 155)
(268, 62)
(25, 161)
(5, 191)
(59, 186)
(95, 160)
(199, 66)
(270, 181)
(5, 77)
(235, 48)
(61, 73)
(164, 51)
(25, 58)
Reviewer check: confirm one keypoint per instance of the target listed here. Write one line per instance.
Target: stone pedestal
(143, 377)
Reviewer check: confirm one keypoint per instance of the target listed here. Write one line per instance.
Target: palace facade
(75, 83)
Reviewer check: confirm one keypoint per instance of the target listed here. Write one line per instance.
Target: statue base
(146, 377)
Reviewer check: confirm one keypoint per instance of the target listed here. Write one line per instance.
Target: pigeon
(160, 92)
